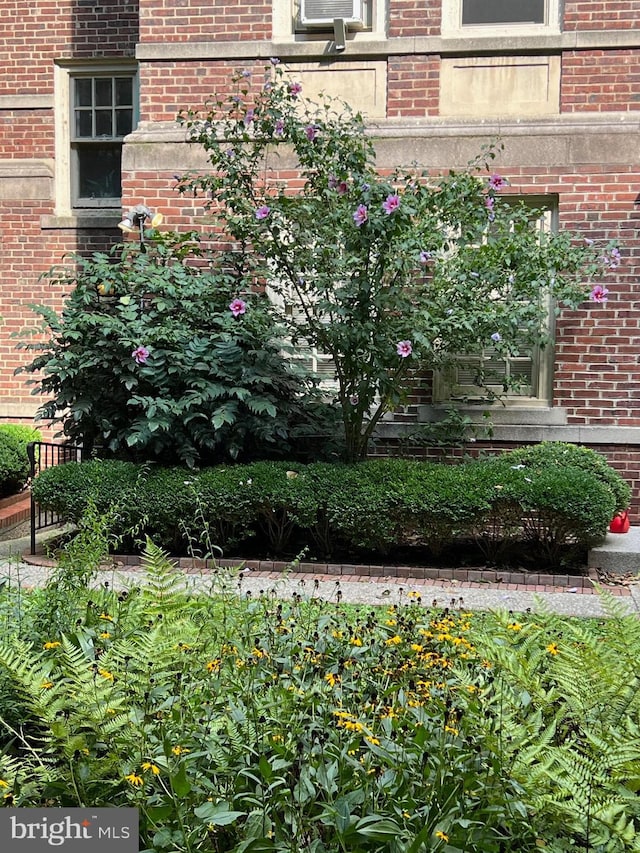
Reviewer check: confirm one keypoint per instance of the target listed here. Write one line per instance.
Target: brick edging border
(346, 571)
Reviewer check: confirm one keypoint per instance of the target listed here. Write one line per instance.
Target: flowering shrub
(150, 360)
(391, 274)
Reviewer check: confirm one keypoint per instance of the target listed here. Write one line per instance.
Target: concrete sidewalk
(567, 601)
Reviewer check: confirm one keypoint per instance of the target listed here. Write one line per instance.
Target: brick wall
(168, 87)
(33, 35)
(594, 15)
(413, 86)
(411, 19)
(600, 81)
(168, 21)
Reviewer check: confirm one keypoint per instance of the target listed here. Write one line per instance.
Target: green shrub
(548, 454)
(155, 358)
(513, 511)
(67, 489)
(14, 463)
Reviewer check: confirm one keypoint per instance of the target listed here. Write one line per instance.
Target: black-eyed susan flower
(442, 835)
(51, 645)
(135, 780)
(147, 765)
(514, 626)
(552, 648)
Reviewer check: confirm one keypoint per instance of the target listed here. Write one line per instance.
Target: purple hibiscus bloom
(404, 348)
(361, 215)
(599, 294)
(391, 203)
(237, 306)
(140, 354)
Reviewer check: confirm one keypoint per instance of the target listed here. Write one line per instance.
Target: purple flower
(237, 307)
(391, 203)
(361, 215)
(140, 354)
(404, 348)
(354, 399)
(496, 337)
(279, 128)
(599, 294)
(489, 203)
(332, 182)
(497, 182)
(295, 89)
(249, 117)
(611, 259)
(342, 188)
(311, 132)
(263, 212)
(425, 257)
(246, 73)
(274, 60)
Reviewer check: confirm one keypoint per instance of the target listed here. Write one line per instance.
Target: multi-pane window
(486, 373)
(478, 18)
(475, 12)
(103, 112)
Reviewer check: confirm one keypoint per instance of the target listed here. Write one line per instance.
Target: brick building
(91, 88)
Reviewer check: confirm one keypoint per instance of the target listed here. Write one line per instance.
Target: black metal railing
(43, 454)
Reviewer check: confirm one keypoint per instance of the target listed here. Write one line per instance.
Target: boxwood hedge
(14, 463)
(544, 498)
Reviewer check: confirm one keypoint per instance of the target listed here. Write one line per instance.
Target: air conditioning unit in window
(322, 13)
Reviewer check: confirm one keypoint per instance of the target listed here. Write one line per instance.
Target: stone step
(618, 554)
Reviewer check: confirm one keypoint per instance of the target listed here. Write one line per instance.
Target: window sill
(74, 221)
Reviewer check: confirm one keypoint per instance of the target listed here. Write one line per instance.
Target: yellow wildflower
(451, 730)
(147, 765)
(46, 685)
(552, 648)
(332, 679)
(51, 645)
(106, 674)
(135, 780)
(105, 635)
(3, 784)
(178, 750)
(515, 626)
(355, 641)
(442, 835)
(214, 665)
(372, 740)
(106, 616)
(394, 641)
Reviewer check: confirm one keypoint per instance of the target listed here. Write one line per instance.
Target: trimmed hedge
(14, 463)
(501, 503)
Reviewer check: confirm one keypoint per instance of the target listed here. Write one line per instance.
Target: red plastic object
(620, 523)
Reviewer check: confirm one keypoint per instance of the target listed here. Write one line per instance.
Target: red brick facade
(584, 153)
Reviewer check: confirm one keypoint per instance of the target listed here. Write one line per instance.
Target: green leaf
(218, 814)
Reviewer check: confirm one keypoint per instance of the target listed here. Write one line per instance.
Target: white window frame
(310, 357)
(65, 174)
(451, 23)
(446, 389)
